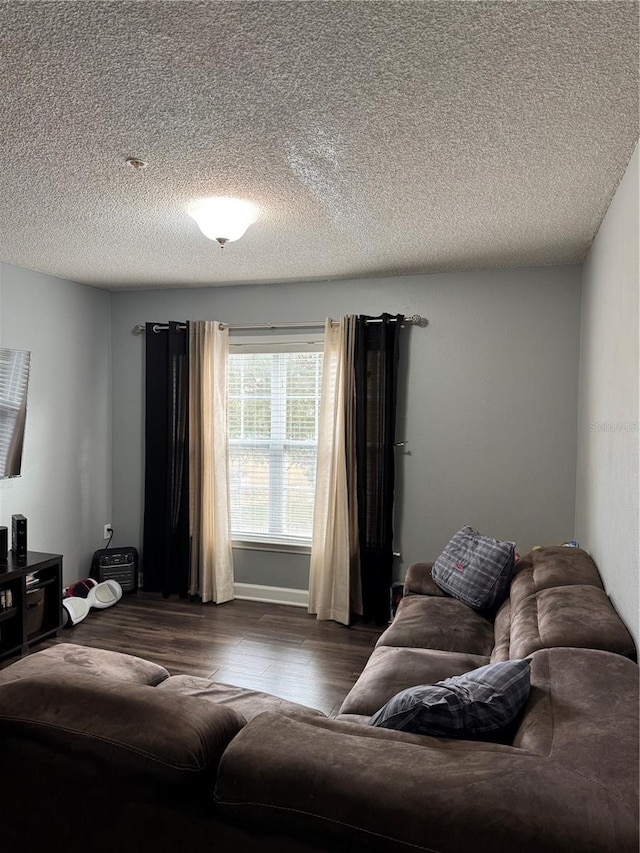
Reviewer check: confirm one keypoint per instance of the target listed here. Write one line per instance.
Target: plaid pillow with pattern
(467, 706)
(475, 569)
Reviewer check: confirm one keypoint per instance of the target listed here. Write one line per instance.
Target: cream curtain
(211, 564)
(334, 581)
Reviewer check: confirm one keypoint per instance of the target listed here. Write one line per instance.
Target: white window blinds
(14, 378)
(273, 404)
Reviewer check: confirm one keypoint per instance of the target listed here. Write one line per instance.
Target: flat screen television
(14, 384)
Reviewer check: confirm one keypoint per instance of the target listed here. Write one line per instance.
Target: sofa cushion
(390, 670)
(466, 706)
(248, 703)
(69, 658)
(575, 616)
(552, 566)
(430, 622)
(475, 569)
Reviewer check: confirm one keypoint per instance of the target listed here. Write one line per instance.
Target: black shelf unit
(15, 637)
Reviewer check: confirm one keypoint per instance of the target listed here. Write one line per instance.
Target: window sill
(291, 546)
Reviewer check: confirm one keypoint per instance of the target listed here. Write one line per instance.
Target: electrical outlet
(108, 531)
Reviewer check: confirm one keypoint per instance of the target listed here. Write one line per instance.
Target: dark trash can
(35, 612)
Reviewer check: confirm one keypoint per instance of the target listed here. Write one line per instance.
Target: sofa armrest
(76, 726)
(84, 660)
(350, 786)
(418, 581)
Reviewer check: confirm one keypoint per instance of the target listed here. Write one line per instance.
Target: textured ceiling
(377, 138)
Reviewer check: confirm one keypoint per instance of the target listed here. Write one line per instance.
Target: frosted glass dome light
(223, 219)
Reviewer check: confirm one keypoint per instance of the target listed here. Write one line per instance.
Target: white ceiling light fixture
(222, 218)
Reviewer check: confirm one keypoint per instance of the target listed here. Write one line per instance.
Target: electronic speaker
(4, 544)
(116, 564)
(19, 537)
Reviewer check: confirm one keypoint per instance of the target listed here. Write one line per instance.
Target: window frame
(273, 342)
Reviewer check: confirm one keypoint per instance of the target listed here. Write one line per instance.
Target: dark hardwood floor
(275, 648)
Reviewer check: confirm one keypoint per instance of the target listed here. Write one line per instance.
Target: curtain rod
(413, 320)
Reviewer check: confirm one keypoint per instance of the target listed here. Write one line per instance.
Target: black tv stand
(35, 610)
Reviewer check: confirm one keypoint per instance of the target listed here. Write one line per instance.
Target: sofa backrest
(553, 566)
(557, 599)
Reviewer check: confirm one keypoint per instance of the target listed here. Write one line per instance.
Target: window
(14, 380)
(273, 406)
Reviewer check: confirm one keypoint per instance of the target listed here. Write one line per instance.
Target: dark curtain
(376, 371)
(166, 489)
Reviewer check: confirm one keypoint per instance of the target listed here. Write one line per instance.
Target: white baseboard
(271, 594)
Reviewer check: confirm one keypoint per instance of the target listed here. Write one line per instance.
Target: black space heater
(118, 564)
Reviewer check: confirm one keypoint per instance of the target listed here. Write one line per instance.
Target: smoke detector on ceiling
(136, 163)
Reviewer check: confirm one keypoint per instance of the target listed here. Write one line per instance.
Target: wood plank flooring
(275, 648)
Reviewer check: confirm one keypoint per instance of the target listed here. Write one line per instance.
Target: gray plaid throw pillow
(467, 706)
(475, 569)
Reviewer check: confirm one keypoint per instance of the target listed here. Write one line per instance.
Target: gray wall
(487, 400)
(65, 487)
(607, 497)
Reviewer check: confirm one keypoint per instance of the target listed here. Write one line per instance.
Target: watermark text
(614, 426)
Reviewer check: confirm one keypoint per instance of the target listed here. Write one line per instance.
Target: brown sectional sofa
(103, 751)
